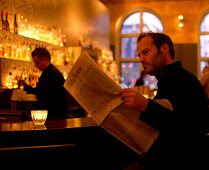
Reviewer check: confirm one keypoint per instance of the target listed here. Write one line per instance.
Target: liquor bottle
(8, 51)
(1, 50)
(27, 77)
(14, 51)
(2, 22)
(33, 79)
(7, 23)
(28, 52)
(9, 81)
(15, 25)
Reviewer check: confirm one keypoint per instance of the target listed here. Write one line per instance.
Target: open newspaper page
(124, 124)
(92, 88)
(98, 95)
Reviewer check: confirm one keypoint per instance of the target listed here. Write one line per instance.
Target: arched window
(204, 44)
(128, 28)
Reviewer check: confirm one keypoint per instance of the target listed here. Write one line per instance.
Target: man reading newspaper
(180, 144)
(159, 130)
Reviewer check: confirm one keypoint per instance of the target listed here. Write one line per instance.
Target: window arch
(128, 28)
(203, 57)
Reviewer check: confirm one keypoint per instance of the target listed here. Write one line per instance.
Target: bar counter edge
(79, 141)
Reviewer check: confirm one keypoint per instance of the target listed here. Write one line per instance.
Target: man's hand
(133, 99)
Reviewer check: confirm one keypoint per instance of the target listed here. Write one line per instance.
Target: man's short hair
(158, 40)
(41, 53)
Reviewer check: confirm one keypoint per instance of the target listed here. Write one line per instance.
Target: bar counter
(49, 125)
(80, 141)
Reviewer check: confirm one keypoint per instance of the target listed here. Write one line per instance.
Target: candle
(39, 116)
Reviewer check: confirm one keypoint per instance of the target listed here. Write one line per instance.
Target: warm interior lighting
(39, 127)
(180, 21)
(181, 24)
(146, 96)
(180, 17)
(39, 116)
(155, 92)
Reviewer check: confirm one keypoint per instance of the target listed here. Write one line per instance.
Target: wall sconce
(180, 21)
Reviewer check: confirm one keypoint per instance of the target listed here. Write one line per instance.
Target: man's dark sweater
(180, 143)
(51, 93)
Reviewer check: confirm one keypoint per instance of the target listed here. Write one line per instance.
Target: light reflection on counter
(40, 127)
(17, 126)
(50, 124)
(74, 123)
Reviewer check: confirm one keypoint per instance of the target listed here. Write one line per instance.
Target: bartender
(49, 91)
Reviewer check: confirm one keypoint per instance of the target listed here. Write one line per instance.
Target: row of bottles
(30, 76)
(16, 51)
(39, 32)
(105, 58)
(4, 23)
(22, 51)
(13, 69)
(16, 47)
(107, 64)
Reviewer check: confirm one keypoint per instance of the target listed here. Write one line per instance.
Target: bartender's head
(155, 50)
(41, 58)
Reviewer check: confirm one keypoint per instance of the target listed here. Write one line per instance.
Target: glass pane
(204, 27)
(150, 81)
(204, 45)
(130, 72)
(151, 23)
(202, 65)
(128, 47)
(131, 24)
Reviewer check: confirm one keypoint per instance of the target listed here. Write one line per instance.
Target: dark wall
(187, 53)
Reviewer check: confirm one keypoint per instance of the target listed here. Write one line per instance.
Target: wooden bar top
(80, 141)
(49, 124)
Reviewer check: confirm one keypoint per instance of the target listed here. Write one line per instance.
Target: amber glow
(180, 21)
(39, 116)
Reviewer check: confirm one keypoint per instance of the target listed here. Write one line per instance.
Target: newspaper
(98, 95)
